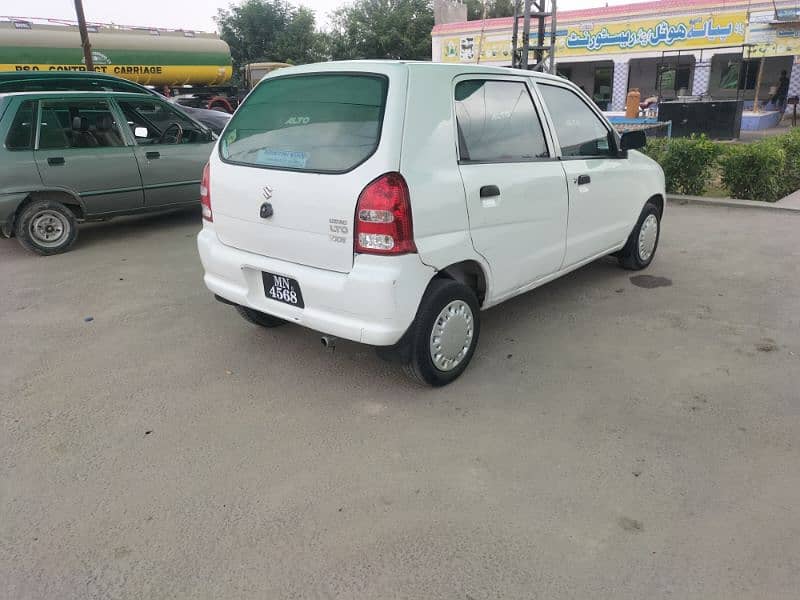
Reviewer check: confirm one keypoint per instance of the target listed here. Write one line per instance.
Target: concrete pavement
(611, 439)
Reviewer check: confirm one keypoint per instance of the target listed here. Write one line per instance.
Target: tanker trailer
(153, 57)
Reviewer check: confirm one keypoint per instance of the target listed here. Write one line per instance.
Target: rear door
(304, 146)
(515, 189)
(80, 147)
(171, 150)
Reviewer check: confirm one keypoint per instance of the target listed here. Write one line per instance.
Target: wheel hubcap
(452, 335)
(648, 234)
(49, 228)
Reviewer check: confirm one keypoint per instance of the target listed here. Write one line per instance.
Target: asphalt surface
(608, 441)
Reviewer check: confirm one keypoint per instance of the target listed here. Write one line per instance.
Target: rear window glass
(323, 123)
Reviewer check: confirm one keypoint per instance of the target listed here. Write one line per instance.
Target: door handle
(152, 155)
(489, 191)
(583, 180)
(56, 160)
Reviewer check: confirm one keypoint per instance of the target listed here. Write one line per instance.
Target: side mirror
(140, 132)
(631, 140)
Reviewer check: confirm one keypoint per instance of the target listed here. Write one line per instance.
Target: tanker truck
(197, 64)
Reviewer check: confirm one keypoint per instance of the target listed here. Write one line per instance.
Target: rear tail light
(383, 217)
(205, 193)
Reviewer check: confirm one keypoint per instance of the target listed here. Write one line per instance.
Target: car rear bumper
(374, 303)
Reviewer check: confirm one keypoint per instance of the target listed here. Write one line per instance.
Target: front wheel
(46, 227)
(444, 335)
(641, 246)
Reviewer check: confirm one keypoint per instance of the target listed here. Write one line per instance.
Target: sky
(184, 14)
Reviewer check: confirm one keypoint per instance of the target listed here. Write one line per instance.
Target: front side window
(156, 122)
(579, 130)
(78, 124)
(497, 122)
(322, 123)
(20, 136)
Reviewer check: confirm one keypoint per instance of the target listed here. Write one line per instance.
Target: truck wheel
(444, 335)
(256, 317)
(641, 247)
(46, 227)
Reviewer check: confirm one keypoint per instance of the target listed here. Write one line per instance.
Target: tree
(268, 30)
(399, 29)
(494, 9)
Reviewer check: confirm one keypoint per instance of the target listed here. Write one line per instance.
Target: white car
(390, 202)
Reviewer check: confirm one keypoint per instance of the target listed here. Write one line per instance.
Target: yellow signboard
(772, 38)
(679, 33)
(465, 49)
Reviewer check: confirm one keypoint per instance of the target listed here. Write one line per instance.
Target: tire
(46, 227)
(642, 244)
(257, 317)
(421, 363)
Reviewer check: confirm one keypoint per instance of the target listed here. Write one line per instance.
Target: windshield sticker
(297, 121)
(282, 158)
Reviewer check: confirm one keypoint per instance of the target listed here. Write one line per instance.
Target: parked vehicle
(252, 73)
(389, 203)
(34, 81)
(200, 63)
(69, 157)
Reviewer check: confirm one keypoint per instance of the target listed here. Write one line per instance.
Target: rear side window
(497, 122)
(20, 136)
(78, 124)
(319, 123)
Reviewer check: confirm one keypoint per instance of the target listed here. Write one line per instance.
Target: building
(667, 48)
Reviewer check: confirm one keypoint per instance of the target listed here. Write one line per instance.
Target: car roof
(54, 74)
(69, 93)
(451, 69)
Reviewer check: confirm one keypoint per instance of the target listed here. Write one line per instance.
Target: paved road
(609, 441)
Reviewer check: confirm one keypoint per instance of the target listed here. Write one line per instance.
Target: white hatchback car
(390, 202)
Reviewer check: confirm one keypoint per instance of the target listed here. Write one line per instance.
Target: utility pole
(87, 47)
(544, 52)
(526, 34)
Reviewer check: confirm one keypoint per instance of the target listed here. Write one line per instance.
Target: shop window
(739, 74)
(674, 78)
(602, 86)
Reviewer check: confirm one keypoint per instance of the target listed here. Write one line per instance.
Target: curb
(730, 202)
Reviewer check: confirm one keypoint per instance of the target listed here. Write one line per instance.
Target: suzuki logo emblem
(267, 192)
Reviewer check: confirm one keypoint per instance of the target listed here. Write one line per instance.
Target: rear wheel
(641, 246)
(257, 317)
(46, 227)
(444, 335)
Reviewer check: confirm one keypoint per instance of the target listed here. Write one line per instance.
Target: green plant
(791, 170)
(755, 171)
(688, 163)
(656, 149)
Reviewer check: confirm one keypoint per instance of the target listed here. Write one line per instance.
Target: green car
(70, 157)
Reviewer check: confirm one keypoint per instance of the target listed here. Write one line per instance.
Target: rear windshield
(322, 123)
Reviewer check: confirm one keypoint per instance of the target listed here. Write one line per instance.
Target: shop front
(673, 49)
